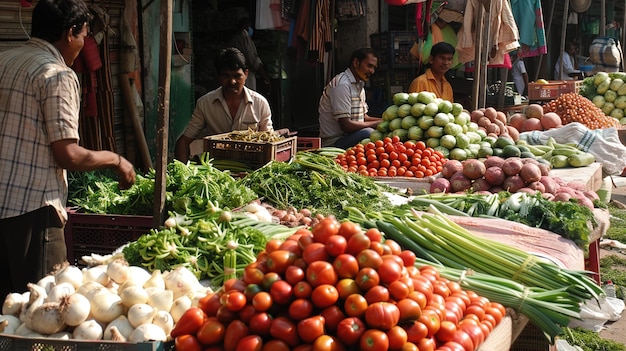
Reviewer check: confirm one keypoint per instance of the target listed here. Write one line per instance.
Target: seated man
(434, 79)
(342, 109)
(229, 107)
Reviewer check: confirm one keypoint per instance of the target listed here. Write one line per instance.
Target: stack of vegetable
(573, 107)
(390, 157)
(111, 301)
(534, 118)
(338, 287)
(607, 91)
(441, 124)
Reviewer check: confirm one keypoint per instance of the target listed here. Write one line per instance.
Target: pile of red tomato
(390, 157)
(337, 287)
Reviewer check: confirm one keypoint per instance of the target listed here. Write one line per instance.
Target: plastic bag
(604, 144)
(594, 314)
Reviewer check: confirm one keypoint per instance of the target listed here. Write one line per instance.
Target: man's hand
(126, 173)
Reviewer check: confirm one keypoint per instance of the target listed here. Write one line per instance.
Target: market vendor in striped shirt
(342, 109)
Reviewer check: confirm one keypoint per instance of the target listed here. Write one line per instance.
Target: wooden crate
(17, 343)
(309, 143)
(254, 154)
(553, 89)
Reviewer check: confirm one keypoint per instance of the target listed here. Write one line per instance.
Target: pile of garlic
(112, 301)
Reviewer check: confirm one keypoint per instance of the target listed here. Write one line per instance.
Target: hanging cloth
(532, 34)
(503, 33)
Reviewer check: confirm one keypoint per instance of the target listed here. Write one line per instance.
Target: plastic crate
(393, 48)
(87, 233)
(553, 89)
(308, 143)
(532, 338)
(254, 154)
(16, 343)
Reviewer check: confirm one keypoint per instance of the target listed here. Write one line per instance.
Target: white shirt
(568, 67)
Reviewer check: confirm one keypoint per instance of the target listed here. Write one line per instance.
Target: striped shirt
(343, 97)
(39, 104)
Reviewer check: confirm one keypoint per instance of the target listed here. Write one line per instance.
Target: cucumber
(581, 159)
(559, 161)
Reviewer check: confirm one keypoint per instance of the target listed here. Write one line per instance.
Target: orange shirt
(427, 82)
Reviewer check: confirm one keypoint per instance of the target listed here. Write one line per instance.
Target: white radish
(181, 281)
(132, 295)
(60, 291)
(155, 281)
(9, 324)
(88, 330)
(138, 275)
(61, 335)
(37, 298)
(122, 325)
(164, 320)
(90, 288)
(75, 309)
(162, 300)
(140, 314)
(70, 274)
(46, 319)
(96, 274)
(118, 270)
(179, 307)
(13, 304)
(147, 332)
(47, 282)
(116, 335)
(106, 307)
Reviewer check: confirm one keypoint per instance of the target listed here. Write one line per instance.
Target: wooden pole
(549, 27)
(563, 33)
(479, 23)
(165, 67)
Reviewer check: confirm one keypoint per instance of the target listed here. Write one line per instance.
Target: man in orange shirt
(434, 79)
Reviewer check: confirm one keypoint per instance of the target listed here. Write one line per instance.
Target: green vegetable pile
(568, 219)
(589, 340)
(318, 183)
(189, 188)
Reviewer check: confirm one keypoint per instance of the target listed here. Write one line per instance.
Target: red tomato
(311, 328)
(300, 309)
(346, 266)
(399, 290)
(348, 229)
(268, 279)
(272, 245)
(346, 287)
(410, 310)
(233, 300)
(276, 345)
(475, 310)
(212, 332)
(333, 315)
(378, 293)
(397, 338)
(294, 274)
(235, 331)
(419, 297)
(260, 323)
(286, 330)
(281, 292)
(324, 295)
(303, 347)
(495, 312)
(382, 315)
(246, 313)
(431, 320)
(252, 275)
(357, 243)
(291, 246)
(251, 290)
(374, 234)
(389, 271)
(336, 245)
(279, 260)
(464, 340)
(250, 343)
(441, 288)
(327, 343)
(395, 248)
(305, 240)
(474, 331)
(446, 331)
(377, 247)
(262, 301)
(451, 346)
(416, 331)
(187, 342)
(302, 290)
(350, 330)
(234, 284)
(367, 278)
(355, 305)
(374, 340)
(424, 286)
(315, 252)
(210, 303)
(324, 229)
(426, 344)
(369, 258)
(189, 323)
(321, 272)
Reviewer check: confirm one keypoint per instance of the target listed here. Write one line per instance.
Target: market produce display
(607, 92)
(391, 157)
(573, 107)
(339, 287)
(437, 239)
(111, 301)
(558, 155)
(534, 118)
(441, 124)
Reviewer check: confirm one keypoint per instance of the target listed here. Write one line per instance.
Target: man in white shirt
(570, 67)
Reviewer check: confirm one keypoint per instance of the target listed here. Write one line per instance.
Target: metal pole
(165, 67)
(563, 33)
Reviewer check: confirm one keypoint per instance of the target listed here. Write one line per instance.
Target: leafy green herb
(589, 340)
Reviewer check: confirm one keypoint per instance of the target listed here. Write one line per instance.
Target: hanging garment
(320, 31)
(503, 34)
(532, 34)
